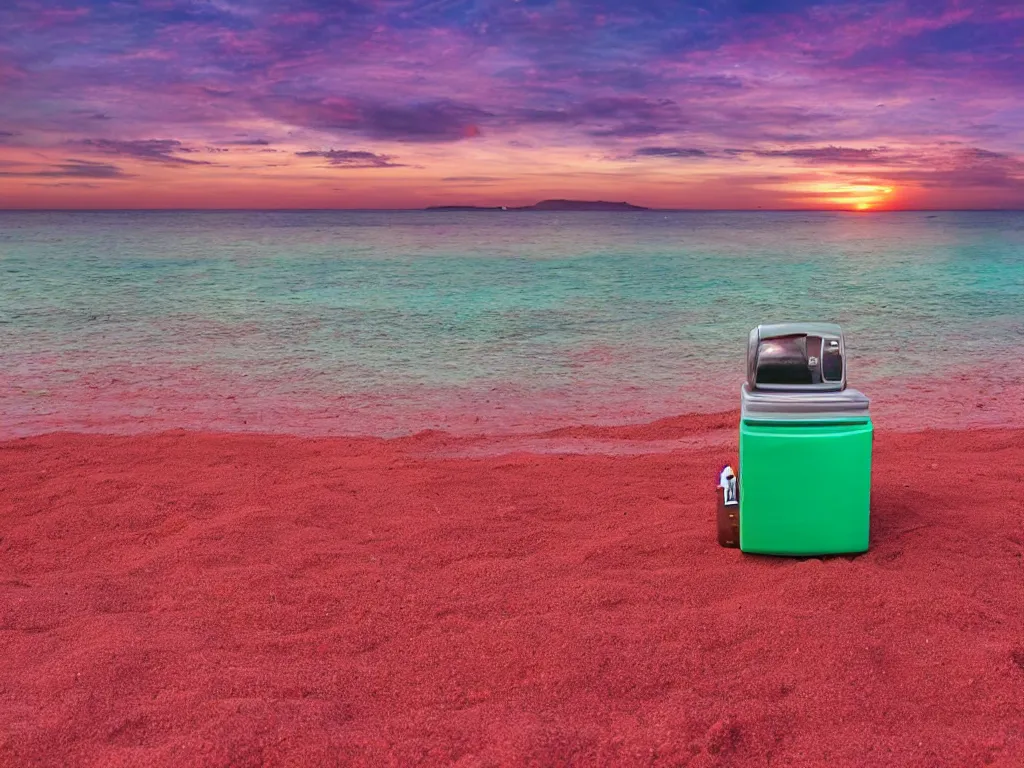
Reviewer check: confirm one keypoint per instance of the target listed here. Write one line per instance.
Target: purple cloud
(73, 169)
(89, 114)
(969, 167)
(607, 115)
(630, 131)
(831, 155)
(975, 153)
(673, 152)
(347, 158)
(150, 150)
(436, 121)
(74, 184)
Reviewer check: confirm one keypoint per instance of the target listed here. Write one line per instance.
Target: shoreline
(682, 427)
(687, 431)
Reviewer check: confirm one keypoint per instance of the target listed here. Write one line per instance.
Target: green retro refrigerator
(804, 480)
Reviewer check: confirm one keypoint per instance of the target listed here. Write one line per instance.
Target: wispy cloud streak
(347, 158)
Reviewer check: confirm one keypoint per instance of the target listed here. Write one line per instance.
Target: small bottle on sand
(727, 482)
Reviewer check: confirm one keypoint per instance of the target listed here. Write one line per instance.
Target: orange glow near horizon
(489, 175)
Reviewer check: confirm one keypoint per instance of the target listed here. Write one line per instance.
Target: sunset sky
(406, 103)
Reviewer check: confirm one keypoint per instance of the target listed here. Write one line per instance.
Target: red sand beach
(185, 599)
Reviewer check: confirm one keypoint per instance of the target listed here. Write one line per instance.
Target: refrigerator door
(805, 487)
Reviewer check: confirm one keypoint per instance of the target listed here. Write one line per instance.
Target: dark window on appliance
(783, 360)
(831, 361)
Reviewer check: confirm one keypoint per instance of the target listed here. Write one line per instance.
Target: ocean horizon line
(497, 209)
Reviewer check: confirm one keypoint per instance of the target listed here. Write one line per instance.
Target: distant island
(547, 205)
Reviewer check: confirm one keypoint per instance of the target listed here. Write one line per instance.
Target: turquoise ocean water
(391, 322)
